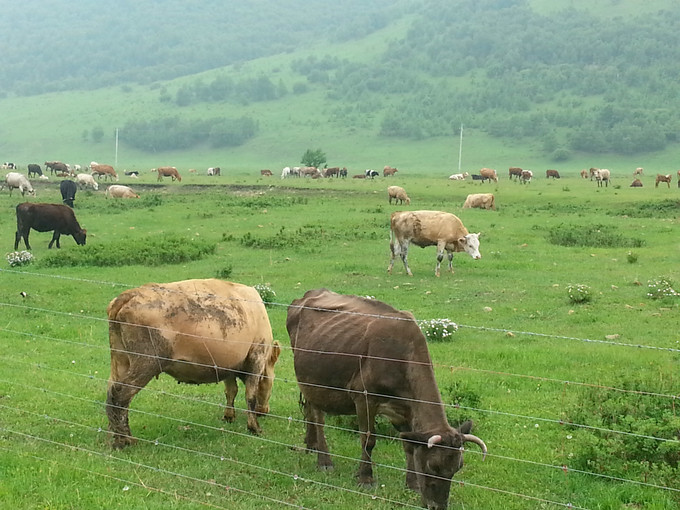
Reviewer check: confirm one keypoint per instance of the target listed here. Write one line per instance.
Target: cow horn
(434, 440)
(474, 439)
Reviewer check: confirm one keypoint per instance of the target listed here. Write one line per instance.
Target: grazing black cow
(46, 218)
(34, 169)
(68, 192)
(476, 177)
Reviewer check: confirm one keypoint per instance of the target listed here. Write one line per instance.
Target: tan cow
(106, 170)
(398, 193)
(168, 171)
(266, 173)
(662, 178)
(480, 200)
(430, 228)
(489, 173)
(197, 331)
(389, 171)
(638, 171)
(637, 183)
(584, 174)
(310, 171)
(602, 175)
(118, 191)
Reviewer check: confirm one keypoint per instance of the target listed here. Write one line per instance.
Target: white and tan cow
(197, 331)
(481, 201)
(86, 180)
(602, 175)
(430, 228)
(526, 176)
(119, 191)
(398, 194)
(459, 177)
(662, 178)
(19, 181)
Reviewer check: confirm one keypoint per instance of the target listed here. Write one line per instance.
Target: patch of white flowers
(660, 288)
(579, 293)
(438, 330)
(19, 258)
(266, 293)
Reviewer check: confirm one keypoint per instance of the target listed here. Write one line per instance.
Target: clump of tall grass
(438, 330)
(599, 236)
(661, 288)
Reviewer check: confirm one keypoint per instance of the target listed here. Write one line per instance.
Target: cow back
(427, 228)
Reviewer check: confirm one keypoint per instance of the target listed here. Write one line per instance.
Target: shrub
(631, 257)
(266, 293)
(438, 330)
(661, 288)
(579, 293)
(19, 258)
(601, 236)
(225, 272)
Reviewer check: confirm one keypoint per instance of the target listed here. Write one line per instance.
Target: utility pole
(460, 149)
(116, 158)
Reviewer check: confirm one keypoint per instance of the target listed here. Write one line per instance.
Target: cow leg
(450, 256)
(411, 479)
(394, 251)
(315, 438)
(366, 417)
(230, 391)
(55, 237)
(252, 383)
(403, 249)
(441, 245)
(17, 239)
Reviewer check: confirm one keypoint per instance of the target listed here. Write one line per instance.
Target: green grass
(524, 357)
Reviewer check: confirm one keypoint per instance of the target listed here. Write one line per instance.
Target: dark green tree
(313, 158)
(97, 134)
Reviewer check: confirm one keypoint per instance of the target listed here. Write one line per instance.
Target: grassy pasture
(524, 361)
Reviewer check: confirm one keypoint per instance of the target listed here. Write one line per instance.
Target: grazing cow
(197, 331)
(371, 174)
(359, 356)
(552, 173)
(637, 183)
(480, 200)
(17, 180)
(118, 191)
(584, 174)
(388, 171)
(459, 177)
(331, 172)
(343, 172)
(592, 172)
(68, 190)
(290, 172)
(168, 171)
(9, 166)
(310, 171)
(477, 177)
(106, 170)
(266, 173)
(56, 167)
(515, 172)
(430, 228)
(398, 193)
(602, 175)
(662, 178)
(526, 176)
(34, 169)
(46, 218)
(214, 171)
(638, 171)
(489, 173)
(85, 180)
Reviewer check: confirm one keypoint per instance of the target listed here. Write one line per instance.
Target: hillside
(392, 82)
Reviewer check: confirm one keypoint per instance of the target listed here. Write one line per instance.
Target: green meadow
(574, 394)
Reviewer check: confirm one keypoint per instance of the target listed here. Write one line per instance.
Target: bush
(579, 293)
(266, 293)
(19, 258)
(661, 288)
(438, 330)
(599, 236)
(631, 257)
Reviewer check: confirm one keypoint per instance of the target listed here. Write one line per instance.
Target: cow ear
(466, 428)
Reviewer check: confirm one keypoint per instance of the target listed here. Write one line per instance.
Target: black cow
(476, 177)
(68, 192)
(370, 174)
(34, 169)
(46, 218)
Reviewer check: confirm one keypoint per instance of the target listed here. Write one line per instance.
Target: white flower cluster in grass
(579, 293)
(266, 293)
(660, 288)
(19, 258)
(438, 330)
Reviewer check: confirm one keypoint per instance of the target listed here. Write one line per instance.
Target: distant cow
(343, 172)
(359, 176)
(662, 178)
(430, 228)
(34, 170)
(214, 171)
(310, 171)
(459, 177)
(515, 172)
(106, 170)
(481, 201)
(489, 173)
(56, 167)
(371, 174)
(85, 180)
(46, 218)
(584, 174)
(332, 172)
(477, 177)
(68, 190)
(638, 171)
(359, 356)
(602, 175)
(389, 171)
(637, 183)
(19, 181)
(198, 332)
(168, 171)
(526, 176)
(592, 172)
(132, 173)
(8, 166)
(552, 173)
(118, 191)
(398, 193)
(266, 173)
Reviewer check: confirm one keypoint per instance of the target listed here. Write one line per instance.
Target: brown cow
(311, 171)
(480, 200)
(331, 172)
(430, 228)
(55, 167)
(584, 174)
(359, 356)
(637, 183)
(552, 173)
(388, 171)
(488, 173)
(46, 218)
(106, 170)
(266, 173)
(662, 178)
(197, 331)
(515, 172)
(168, 171)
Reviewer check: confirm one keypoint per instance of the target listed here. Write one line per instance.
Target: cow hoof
(367, 484)
(326, 467)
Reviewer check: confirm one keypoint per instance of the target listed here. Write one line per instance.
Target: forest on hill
(568, 79)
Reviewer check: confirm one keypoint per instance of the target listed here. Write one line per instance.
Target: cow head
(436, 458)
(80, 237)
(264, 390)
(470, 245)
